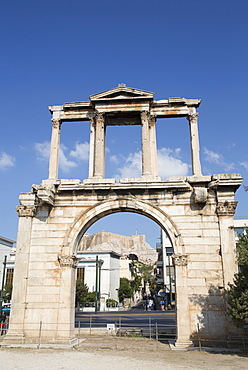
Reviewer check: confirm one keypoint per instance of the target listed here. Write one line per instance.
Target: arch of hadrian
(196, 212)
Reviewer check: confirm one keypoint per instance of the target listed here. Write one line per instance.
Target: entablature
(124, 100)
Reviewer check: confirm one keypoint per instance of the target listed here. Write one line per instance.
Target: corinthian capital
(144, 115)
(99, 117)
(192, 118)
(56, 123)
(226, 208)
(152, 119)
(26, 211)
(180, 259)
(68, 261)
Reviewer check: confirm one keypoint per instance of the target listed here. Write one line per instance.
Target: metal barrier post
(199, 336)
(40, 334)
(79, 332)
(150, 328)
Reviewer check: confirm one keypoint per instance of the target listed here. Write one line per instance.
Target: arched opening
(128, 204)
(130, 238)
(111, 207)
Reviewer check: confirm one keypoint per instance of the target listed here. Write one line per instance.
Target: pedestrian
(2, 325)
(150, 304)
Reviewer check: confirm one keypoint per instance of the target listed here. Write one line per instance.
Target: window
(80, 274)
(9, 276)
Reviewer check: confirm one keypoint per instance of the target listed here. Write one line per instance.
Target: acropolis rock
(124, 245)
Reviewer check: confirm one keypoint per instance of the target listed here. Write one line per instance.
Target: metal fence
(92, 325)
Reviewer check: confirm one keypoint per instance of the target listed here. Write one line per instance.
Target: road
(134, 318)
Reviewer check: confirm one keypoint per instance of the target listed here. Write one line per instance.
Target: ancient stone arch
(128, 204)
(195, 211)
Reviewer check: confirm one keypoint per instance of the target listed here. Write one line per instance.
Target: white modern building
(6, 249)
(240, 227)
(108, 274)
(165, 276)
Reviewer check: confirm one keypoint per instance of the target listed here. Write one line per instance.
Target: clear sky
(60, 51)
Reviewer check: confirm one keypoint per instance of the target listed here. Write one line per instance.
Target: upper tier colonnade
(124, 106)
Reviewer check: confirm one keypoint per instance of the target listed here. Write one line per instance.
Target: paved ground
(119, 353)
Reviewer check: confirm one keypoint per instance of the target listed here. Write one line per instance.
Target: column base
(13, 339)
(148, 178)
(180, 343)
(98, 180)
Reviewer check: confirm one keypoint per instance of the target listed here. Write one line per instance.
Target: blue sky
(63, 51)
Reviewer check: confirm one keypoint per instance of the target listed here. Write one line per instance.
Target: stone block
(196, 282)
(204, 257)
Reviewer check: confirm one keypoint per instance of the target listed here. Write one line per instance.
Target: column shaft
(99, 156)
(195, 147)
(153, 147)
(54, 150)
(92, 147)
(146, 147)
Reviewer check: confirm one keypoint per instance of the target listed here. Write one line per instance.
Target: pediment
(122, 93)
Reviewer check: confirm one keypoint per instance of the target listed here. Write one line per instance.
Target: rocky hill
(124, 245)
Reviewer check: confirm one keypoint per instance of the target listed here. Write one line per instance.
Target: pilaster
(225, 211)
(183, 317)
(26, 212)
(65, 322)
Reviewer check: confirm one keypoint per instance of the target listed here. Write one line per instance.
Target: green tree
(81, 291)
(90, 297)
(237, 295)
(125, 289)
(145, 272)
(7, 292)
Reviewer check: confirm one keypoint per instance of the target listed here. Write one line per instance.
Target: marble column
(182, 301)
(92, 146)
(99, 156)
(146, 147)
(195, 147)
(54, 150)
(153, 147)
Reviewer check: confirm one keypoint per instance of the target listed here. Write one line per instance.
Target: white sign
(110, 326)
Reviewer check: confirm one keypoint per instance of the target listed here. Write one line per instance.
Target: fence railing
(119, 326)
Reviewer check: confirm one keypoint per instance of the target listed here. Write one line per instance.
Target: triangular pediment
(122, 93)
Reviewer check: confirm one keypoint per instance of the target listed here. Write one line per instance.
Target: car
(6, 309)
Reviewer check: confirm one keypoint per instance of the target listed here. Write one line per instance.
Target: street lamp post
(98, 283)
(3, 280)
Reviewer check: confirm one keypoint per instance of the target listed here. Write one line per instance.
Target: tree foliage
(7, 292)
(83, 294)
(81, 291)
(125, 289)
(237, 295)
